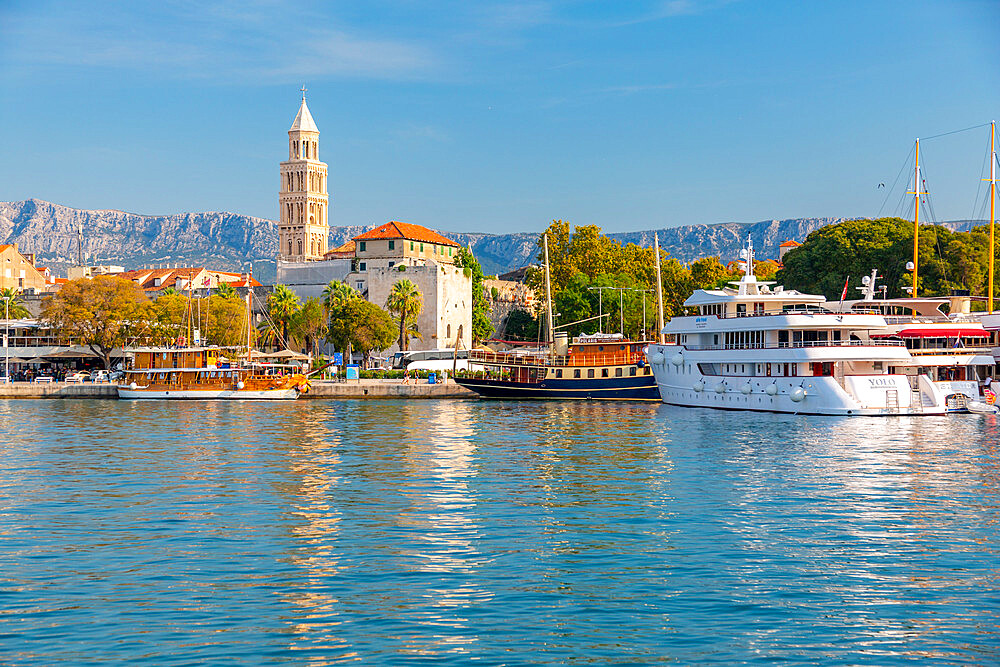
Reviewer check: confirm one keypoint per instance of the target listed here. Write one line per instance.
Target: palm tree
(405, 302)
(282, 304)
(226, 291)
(337, 294)
(12, 300)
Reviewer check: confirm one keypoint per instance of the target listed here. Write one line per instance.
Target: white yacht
(952, 348)
(755, 346)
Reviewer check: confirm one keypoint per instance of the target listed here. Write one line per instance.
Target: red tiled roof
(790, 244)
(404, 230)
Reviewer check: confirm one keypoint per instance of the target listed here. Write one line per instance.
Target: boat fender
(797, 394)
(720, 388)
(133, 386)
(677, 359)
(746, 389)
(699, 386)
(771, 389)
(656, 358)
(239, 385)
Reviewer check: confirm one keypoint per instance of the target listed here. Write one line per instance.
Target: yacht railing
(799, 344)
(952, 350)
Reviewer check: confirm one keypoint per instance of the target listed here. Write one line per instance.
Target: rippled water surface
(317, 532)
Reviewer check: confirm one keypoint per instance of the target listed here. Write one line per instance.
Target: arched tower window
(449, 332)
(300, 246)
(289, 247)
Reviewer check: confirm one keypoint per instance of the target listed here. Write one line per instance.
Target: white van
(431, 360)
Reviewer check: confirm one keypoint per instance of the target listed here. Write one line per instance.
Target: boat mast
(548, 296)
(916, 216)
(249, 314)
(659, 290)
(993, 199)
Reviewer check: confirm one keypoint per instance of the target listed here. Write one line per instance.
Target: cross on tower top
(303, 89)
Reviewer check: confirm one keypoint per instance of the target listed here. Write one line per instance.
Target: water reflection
(324, 532)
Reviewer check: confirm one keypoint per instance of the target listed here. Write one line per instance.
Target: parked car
(101, 376)
(79, 376)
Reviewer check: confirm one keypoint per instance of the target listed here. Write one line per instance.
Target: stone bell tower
(303, 228)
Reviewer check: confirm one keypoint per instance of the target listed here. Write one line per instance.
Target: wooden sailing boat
(206, 373)
(595, 367)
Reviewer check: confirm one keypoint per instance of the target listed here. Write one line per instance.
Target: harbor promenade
(319, 389)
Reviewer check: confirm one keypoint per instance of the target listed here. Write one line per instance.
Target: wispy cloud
(181, 40)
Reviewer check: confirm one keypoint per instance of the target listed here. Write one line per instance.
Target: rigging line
(945, 134)
(982, 170)
(892, 189)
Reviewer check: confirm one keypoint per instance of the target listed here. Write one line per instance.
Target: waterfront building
(398, 250)
(18, 270)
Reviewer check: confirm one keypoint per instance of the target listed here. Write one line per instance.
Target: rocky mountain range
(231, 241)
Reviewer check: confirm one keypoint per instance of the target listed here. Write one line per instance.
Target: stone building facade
(398, 250)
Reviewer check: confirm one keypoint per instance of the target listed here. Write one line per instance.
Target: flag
(843, 295)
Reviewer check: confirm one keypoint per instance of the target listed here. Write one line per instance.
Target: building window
(363, 266)
(363, 246)
(558, 372)
(411, 245)
(391, 264)
(361, 286)
(576, 372)
(449, 331)
(392, 245)
(449, 252)
(421, 247)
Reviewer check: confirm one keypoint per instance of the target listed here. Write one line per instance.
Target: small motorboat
(982, 408)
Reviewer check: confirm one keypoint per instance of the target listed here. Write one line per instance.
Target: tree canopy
(947, 260)
(405, 302)
(482, 328)
(102, 312)
(13, 306)
(360, 324)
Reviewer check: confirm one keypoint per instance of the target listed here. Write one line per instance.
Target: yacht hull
(641, 388)
(209, 394)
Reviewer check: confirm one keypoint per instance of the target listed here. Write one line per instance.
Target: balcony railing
(599, 359)
(798, 344)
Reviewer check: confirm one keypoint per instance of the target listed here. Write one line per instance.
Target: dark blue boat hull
(640, 388)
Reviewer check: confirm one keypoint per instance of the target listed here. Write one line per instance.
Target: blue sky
(500, 116)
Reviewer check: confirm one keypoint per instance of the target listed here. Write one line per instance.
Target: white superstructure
(953, 349)
(755, 346)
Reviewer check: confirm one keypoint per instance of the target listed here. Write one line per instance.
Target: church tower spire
(303, 227)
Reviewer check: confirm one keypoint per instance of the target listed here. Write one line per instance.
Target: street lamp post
(6, 340)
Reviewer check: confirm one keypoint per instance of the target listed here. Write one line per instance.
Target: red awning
(936, 332)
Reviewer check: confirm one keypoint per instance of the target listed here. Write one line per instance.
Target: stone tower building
(304, 228)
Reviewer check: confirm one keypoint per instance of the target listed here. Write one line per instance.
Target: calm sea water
(388, 532)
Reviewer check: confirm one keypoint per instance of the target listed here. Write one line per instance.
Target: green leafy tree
(710, 273)
(405, 303)
(520, 325)
(102, 312)
(14, 306)
(226, 291)
(338, 293)
(947, 260)
(226, 321)
(309, 324)
(361, 325)
(482, 328)
(282, 305)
